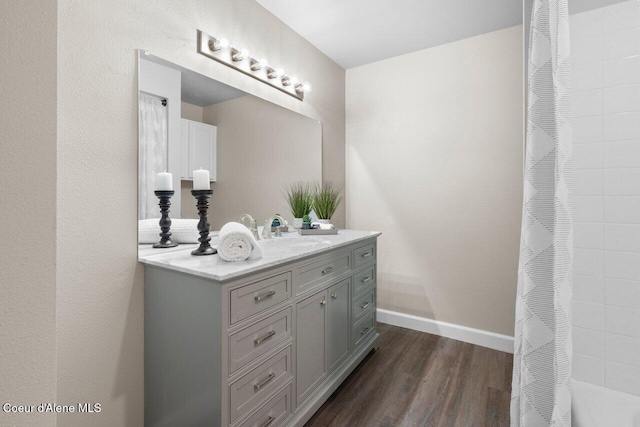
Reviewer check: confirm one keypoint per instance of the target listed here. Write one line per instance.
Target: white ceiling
(357, 32)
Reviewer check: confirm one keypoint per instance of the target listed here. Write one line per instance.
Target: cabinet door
(185, 173)
(310, 344)
(202, 147)
(338, 324)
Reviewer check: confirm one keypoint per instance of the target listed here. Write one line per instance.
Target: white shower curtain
(153, 153)
(541, 389)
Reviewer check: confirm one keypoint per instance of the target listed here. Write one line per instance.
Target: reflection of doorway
(153, 152)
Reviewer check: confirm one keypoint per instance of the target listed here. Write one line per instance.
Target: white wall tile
(584, 51)
(621, 126)
(587, 129)
(588, 315)
(614, 73)
(588, 182)
(621, 99)
(622, 265)
(588, 288)
(622, 321)
(620, 15)
(622, 237)
(621, 154)
(587, 103)
(590, 76)
(588, 342)
(619, 349)
(588, 156)
(623, 293)
(622, 182)
(624, 209)
(588, 262)
(624, 378)
(619, 44)
(588, 369)
(588, 235)
(588, 209)
(586, 24)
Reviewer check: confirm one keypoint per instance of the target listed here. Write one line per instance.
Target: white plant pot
(297, 223)
(324, 221)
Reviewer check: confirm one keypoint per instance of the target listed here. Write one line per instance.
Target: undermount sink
(290, 241)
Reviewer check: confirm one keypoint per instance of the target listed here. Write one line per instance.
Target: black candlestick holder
(165, 221)
(203, 226)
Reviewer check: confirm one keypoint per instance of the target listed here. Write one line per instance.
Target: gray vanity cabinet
(322, 336)
(263, 348)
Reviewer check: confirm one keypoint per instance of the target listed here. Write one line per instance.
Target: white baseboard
(448, 330)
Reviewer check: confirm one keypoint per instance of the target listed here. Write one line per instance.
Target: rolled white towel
(182, 230)
(236, 243)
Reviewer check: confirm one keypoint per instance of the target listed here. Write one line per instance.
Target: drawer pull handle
(265, 381)
(366, 254)
(364, 331)
(327, 270)
(366, 279)
(334, 296)
(269, 421)
(264, 337)
(265, 295)
(365, 305)
(323, 302)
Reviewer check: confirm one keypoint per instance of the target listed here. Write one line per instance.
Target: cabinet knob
(323, 302)
(334, 296)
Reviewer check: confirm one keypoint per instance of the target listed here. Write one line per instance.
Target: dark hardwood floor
(418, 379)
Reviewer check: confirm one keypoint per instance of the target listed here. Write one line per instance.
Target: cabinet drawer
(318, 272)
(251, 342)
(274, 413)
(363, 305)
(364, 255)
(364, 329)
(259, 296)
(253, 387)
(364, 280)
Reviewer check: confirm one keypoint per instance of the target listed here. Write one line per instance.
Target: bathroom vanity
(260, 342)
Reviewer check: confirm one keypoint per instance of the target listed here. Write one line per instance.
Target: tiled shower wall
(605, 47)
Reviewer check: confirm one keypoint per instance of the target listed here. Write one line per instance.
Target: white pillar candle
(201, 180)
(164, 182)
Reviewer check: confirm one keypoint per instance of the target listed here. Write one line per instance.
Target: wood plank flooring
(418, 379)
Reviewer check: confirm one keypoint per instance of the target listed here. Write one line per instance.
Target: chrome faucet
(266, 231)
(253, 225)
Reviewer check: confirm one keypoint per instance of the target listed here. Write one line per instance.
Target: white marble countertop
(278, 250)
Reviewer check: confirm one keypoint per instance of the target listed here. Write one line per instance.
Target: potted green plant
(299, 198)
(326, 198)
(306, 222)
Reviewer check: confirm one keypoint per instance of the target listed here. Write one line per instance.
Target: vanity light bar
(222, 51)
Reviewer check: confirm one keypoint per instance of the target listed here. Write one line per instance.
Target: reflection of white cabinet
(198, 145)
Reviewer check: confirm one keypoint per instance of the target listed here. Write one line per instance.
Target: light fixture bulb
(294, 80)
(258, 64)
(217, 44)
(303, 87)
(238, 55)
(273, 73)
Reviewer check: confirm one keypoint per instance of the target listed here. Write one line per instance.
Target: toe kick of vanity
(265, 348)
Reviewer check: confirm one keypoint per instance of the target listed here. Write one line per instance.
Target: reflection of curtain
(153, 148)
(541, 392)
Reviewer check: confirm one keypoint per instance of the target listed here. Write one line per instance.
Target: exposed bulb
(258, 64)
(239, 55)
(273, 73)
(217, 44)
(304, 87)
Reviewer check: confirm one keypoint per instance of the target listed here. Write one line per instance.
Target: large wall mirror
(252, 148)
